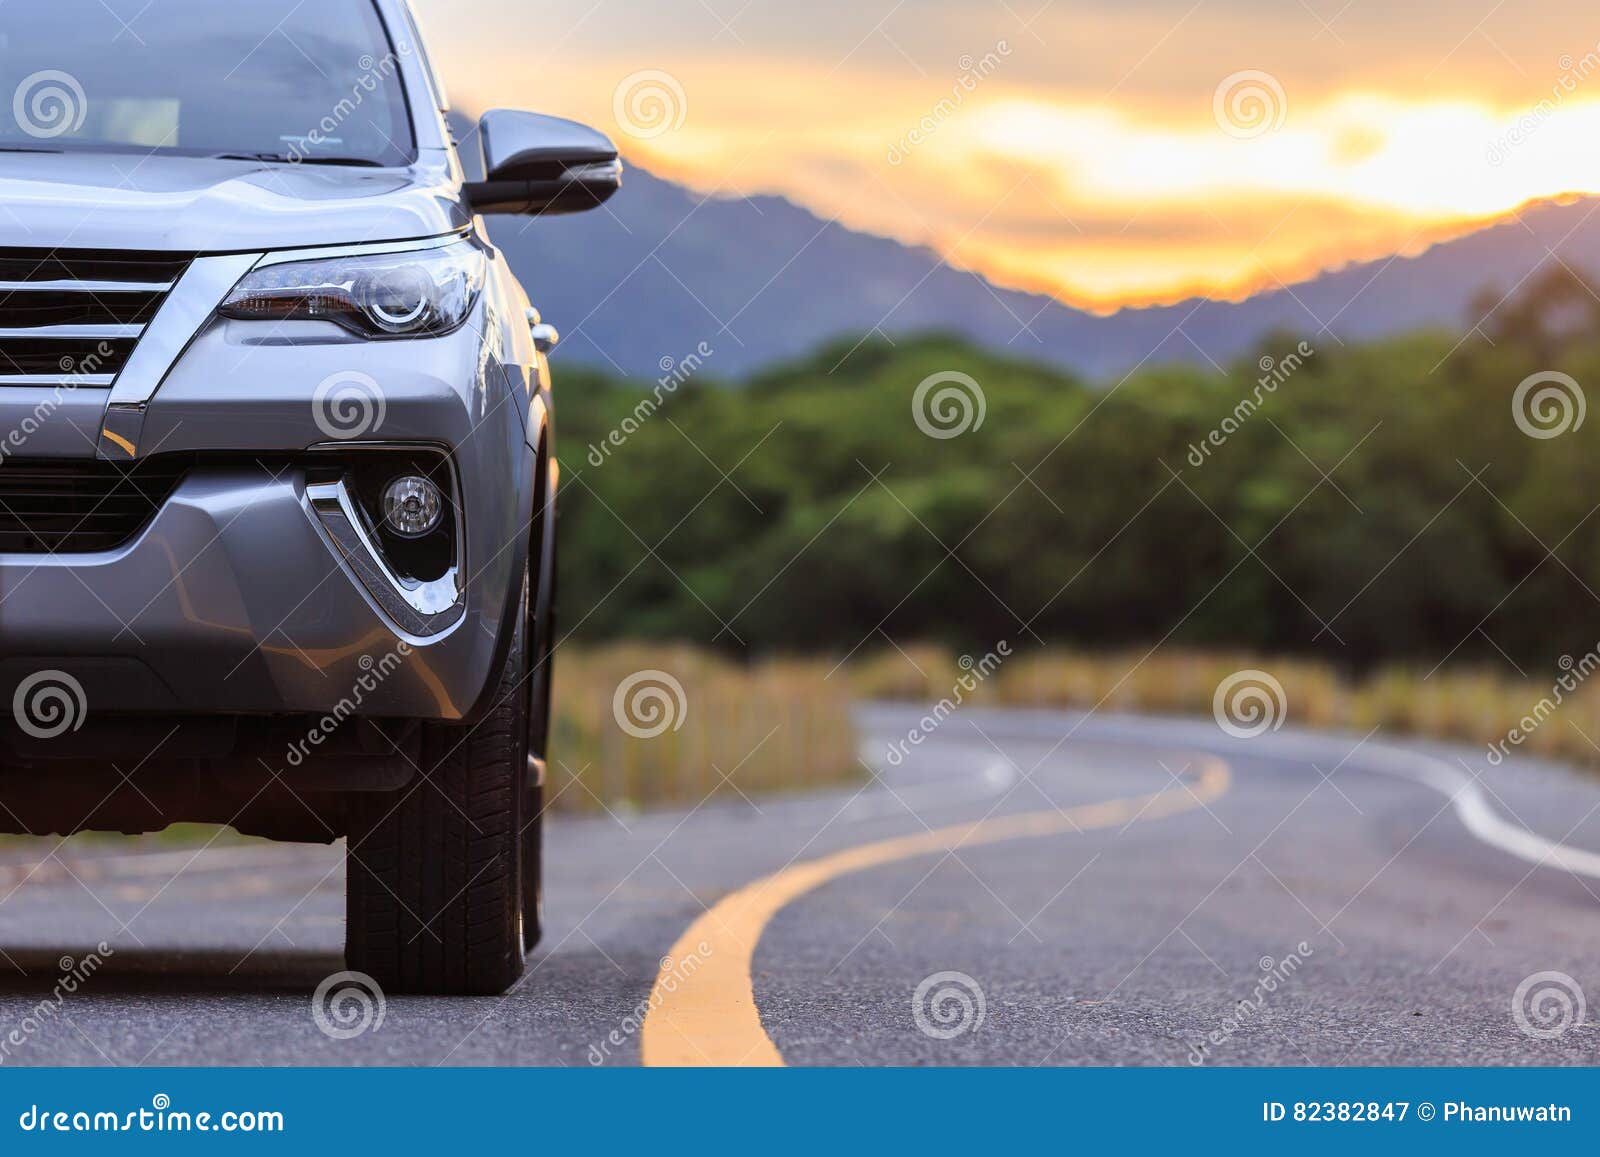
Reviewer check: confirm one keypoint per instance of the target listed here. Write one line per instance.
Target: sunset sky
(1136, 151)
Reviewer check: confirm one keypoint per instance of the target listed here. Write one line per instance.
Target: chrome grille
(76, 315)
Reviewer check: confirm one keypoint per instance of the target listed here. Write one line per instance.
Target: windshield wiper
(283, 159)
(25, 149)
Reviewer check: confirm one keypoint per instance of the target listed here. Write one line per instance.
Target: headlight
(424, 293)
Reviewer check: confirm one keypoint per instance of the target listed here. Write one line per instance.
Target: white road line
(1476, 813)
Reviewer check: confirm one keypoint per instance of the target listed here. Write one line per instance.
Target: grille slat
(56, 308)
(78, 265)
(62, 357)
(74, 316)
(99, 287)
(57, 379)
(32, 308)
(73, 506)
(69, 332)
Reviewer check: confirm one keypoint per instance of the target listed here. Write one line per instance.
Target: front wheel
(438, 872)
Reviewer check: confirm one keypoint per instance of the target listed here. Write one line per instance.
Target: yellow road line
(702, 1009)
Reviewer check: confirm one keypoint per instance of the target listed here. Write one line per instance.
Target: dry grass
(1474, 707)
(780, 726)
(785, 726)
(773, 727)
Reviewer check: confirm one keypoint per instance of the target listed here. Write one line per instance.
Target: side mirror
(536, 164)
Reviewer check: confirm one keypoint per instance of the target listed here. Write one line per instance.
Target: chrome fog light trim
(417, 608)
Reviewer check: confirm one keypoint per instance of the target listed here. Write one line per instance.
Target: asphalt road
(1149, 890)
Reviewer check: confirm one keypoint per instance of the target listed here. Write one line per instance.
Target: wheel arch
(537, 514)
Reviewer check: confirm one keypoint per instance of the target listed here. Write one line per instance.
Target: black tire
(533, 862)
(435, 884)
(541, 657)
(539, 687)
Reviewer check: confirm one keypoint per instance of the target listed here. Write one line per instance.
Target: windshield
(278, 79)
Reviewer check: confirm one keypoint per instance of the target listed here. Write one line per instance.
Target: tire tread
(433, 871)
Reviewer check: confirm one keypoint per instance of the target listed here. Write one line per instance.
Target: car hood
(201, 205)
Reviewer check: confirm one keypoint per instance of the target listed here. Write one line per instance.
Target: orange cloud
(1150, 181)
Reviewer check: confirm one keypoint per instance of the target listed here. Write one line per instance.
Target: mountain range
(761, 280)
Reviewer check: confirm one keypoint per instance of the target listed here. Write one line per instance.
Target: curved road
(1060, 890)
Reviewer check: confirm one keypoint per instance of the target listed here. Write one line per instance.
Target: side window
(414, 27)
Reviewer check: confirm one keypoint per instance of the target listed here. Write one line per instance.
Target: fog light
(412, 506)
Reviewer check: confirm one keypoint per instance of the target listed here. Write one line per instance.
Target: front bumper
(230, 601)
(235, 599)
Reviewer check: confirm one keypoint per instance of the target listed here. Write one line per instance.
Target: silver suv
(277, 492)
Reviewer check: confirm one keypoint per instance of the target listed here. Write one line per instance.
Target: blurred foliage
(1381, 505)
